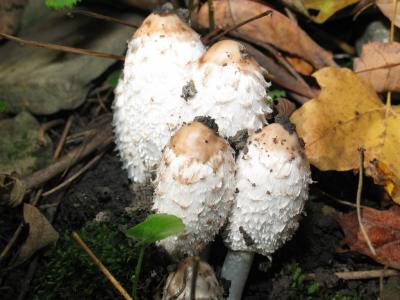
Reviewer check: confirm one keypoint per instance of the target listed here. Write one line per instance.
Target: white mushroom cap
(230, 88)
(272, 186)
(179, 283)
(148, 106)
(195, 181)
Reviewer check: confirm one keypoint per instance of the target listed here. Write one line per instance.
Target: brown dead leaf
(383, 230)
(379, 65)
(275, 29)
(11, 12)
(41, 233)
(348, 115)
(386, 7)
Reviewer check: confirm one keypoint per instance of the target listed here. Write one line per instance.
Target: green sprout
(112, 79)
(2, 106)
(60, 4)
(154, 228)
(275, 93)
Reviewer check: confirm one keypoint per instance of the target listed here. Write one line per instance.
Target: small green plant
(154, 228)
(59, 4)
(274, 94)
(112, 79)
(2, 106)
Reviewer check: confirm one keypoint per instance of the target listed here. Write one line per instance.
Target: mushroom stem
(236, 268)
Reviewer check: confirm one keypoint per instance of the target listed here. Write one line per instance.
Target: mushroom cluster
(255, 198)
(169, 78)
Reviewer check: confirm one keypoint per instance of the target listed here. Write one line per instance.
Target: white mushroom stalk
(193, 279)
(195, 181)
(272, 186)
(230, 88)
(148, 106)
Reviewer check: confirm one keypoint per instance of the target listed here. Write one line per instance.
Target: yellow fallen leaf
(318, 10)
(325, 8)
(347, 115)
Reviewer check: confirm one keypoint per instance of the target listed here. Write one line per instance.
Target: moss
(70, 274)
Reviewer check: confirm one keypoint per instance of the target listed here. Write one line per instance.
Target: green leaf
(58, 4)
(156, 227)
(112, 79)
(2, 106)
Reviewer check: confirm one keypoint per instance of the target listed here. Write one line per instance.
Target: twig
(62, 48)
(234, 27)
(11, 243)
(358, 201)
(337, 199)
(63, 137)
(101, 17)
(211, 18)
(75, 176)
(101, 267)
(358, 275)
(391, 39)
(46, 126)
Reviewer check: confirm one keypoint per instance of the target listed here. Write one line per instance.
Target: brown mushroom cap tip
(227, 52)
(197, 141)
(168, 24)
(275, 137)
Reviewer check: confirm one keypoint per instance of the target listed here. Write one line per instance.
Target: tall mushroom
(272, 186)
(230, 88)
(195, 181)
(148, 104)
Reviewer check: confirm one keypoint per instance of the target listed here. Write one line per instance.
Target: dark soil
(104, 193)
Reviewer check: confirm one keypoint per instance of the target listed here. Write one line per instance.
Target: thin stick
(392, 31)
(75, 176)
(358, 275)
(63, 138)
(46, 126)
(62, 48)
(11, 243)
(347, 203)
(101, 17)
(101, 267)
(358, 201)
(211, 18)
(234, 27)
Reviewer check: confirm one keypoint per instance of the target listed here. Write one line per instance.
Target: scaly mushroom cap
(230, 88)
(272, 186)
(195, 181)
(148, 105)
(179, 283)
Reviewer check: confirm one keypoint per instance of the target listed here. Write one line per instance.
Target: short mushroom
(148, 103)
(230, 88)
(272, 186)
(195, 181)
(193, 279)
